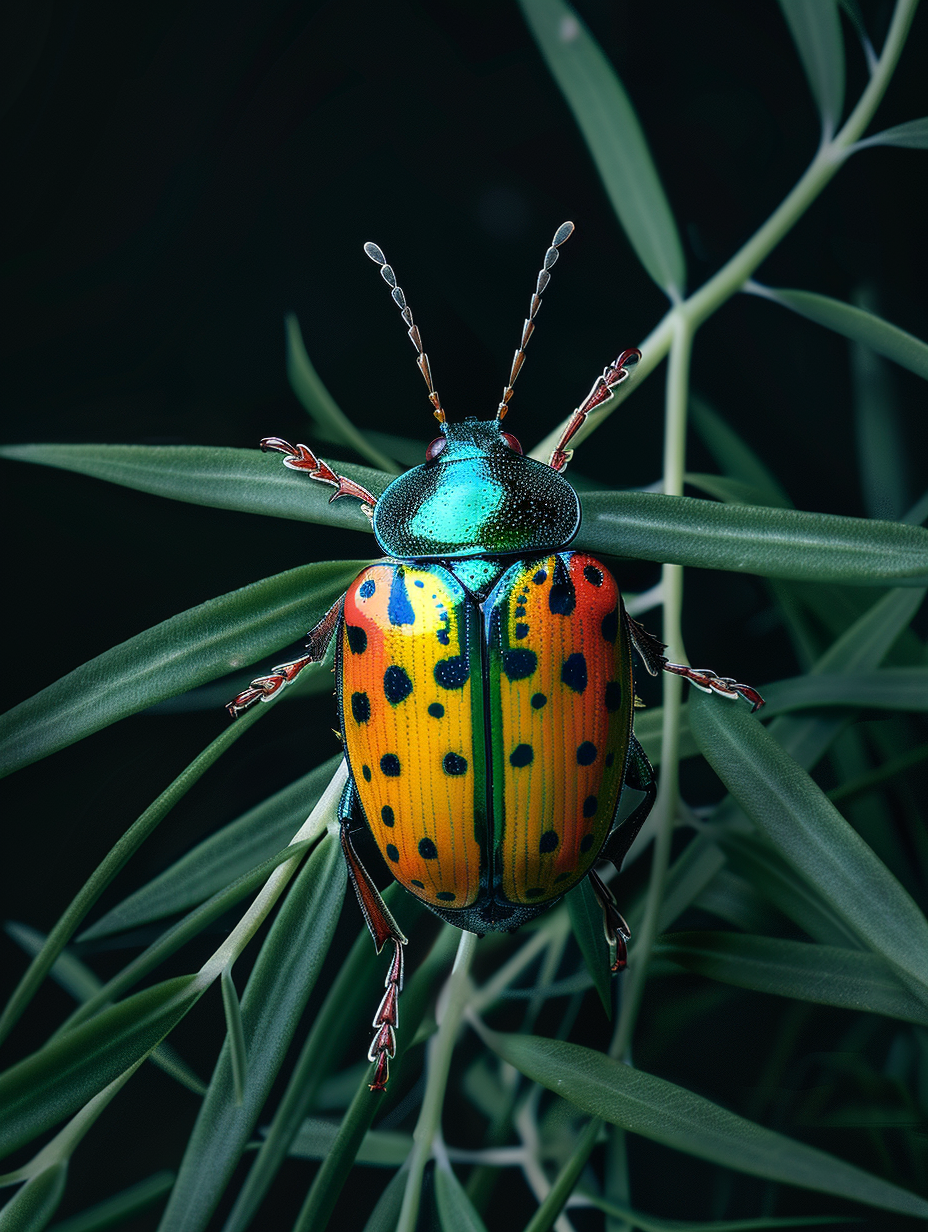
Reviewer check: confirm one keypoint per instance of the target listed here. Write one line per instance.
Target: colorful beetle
(484, 680)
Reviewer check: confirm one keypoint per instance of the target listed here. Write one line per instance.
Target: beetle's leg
(601, 392)
(302, 458)
(265, 687)
(382, 928)
(617, 931)
(651, 650)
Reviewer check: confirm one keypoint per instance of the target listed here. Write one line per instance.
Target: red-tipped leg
(383, 928)
(264, 688)
(705, 679)
(602, 389)
(302, 458)
(616, 930)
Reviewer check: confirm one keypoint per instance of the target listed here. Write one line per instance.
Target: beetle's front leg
(651, 650)
(382, 928)
(264, 688)
(302, 458)
(601, 392)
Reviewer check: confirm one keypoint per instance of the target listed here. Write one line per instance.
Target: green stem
(441, 1048)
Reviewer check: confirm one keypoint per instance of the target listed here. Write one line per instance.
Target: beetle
(484, 680)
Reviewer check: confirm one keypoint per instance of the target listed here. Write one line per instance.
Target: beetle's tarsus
(266, 688)
(617, 931)
(301, 458)
(601, 392)
(709, 682)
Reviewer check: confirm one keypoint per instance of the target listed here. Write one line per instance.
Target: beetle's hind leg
(382, 928)
(265, 687)
(651, 650)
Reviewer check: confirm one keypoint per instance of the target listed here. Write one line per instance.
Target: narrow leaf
(235, 1035)
(808, 830)
(784, 543)
(667, 1113)
(612, 131)
(824, 974)
(912, 135)
(114, 1211)
(197, 645)
(456, 1212)
(383, 1149)
(889, 688)
(586, 919)
(331, 422)
(882, 448)
(816, 31)
(855, 323)
(31, 1207)
(652, 1223)
(733, 456)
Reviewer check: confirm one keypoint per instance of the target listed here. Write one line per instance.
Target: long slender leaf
(816, 31)
(220, 859)
(784, 543)
(280, 983)
(827, 975)
(382, 1149)
(889, 340)
(242, 479)
(188, 649)
(613, 133)
(882, 449)
(807, 829)
(586, 920)
(31, 1207)
(456, 1212)
(912, 135)
(651, 1223)
(889, 688)
(667, 1113)
(122, 1206)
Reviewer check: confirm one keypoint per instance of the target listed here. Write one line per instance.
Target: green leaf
(816, 31)
(882, 448)
(188, 649)
(736, 459)
(456, 1212)
(811, 834)
(886, 339)
(785, 543)
(31, 1207)
(824, 974)
(114, 1211)
(54, 1082)
(661, 1110)
(316, 1137)
(912, 135)
(612, 131)
(219, 860)
(281, 981)
(586, 919)
(651, 1223)
(242, 479)
(385, 1214)
(888, 688)
(235, 1035)
(331, 422)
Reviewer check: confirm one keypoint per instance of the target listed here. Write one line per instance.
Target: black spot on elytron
(392, 853)
(562, 877)
(586, 842)
(613, 696)
(520, 610)
(436, 710)
(540, 576)
(610, 625)
(593, 575)
(586, 753)
(562, 597)
(517, 664)
(357, 638)
(396, 684)
(443, 636)
(418, 884)
(390, 765)
(589, 806)
(366, 771)
(521, 631)
(522, 755)
(454, 763)
(538, 700)
(535, 892)
(366, 589)
(360, 707)
(387, 816)
(399, 609)
(427, 849)
(548, 842)
(452, 673)
(610, 758)
(573, 673)
(419, 583)
(446, 896)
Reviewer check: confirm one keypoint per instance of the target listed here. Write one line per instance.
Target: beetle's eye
(435, 448)
(511, 441)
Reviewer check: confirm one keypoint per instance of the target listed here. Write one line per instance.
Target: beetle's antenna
(399, 299)
(564, 231)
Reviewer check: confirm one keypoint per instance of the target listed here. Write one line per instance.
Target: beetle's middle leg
(265, 687)
(382, 928)
(651, 651)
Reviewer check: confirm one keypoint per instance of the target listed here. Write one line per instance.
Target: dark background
(179, 176)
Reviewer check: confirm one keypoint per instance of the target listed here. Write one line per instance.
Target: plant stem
(441, 1047)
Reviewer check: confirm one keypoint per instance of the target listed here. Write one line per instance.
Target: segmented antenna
(399, 299)
(564, 231)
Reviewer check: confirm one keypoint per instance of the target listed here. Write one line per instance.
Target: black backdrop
(178, 176)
